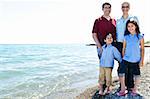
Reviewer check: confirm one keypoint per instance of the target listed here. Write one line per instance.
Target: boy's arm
(117, 54)
(142, 52)
(99, 51)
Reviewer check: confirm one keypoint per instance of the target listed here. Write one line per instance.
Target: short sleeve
(95, 29)
(125, 38)
(141, 36)
(114, 22)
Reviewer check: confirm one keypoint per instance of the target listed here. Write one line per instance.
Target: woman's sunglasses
(125, 6)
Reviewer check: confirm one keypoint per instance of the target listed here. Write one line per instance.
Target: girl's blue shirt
(132, 50)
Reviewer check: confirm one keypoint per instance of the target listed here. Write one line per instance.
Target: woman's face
(131, 28)
(125, 8)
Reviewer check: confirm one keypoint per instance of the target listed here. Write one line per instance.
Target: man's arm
(94, 35)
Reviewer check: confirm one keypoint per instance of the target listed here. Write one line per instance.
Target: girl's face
(131, 28)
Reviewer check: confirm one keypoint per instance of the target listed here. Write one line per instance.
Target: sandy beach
(143, 88)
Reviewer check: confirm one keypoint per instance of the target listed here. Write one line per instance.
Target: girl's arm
(123, 49)
(142, 52)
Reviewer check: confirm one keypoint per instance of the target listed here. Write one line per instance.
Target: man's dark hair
(106, 3)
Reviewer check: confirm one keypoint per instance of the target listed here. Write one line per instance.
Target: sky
(60, 21)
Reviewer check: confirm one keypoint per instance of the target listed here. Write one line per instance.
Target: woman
(120, 31)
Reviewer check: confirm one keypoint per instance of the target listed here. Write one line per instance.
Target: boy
(107, 55)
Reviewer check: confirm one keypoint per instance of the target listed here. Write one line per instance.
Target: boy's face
(109, 39)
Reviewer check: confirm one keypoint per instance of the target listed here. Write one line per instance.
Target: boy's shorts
(105, 74)
(134, 67)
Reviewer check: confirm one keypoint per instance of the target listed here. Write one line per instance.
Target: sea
(48, 71)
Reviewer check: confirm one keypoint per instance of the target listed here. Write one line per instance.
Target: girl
(133, 55)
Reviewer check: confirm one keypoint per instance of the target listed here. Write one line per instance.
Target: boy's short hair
(108, 35)
(106, 3)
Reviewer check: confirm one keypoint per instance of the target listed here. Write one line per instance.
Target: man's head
(106, 7)
(109, 38)
(125, 7)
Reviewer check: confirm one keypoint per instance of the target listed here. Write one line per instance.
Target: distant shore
(146, 44)
(143, 89)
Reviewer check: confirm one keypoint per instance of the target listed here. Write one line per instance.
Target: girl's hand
(141, 64)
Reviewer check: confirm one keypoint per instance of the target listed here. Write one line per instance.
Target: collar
(126, 18)
(129, 16)
(105, 18)
(107, 45)
(132, 34)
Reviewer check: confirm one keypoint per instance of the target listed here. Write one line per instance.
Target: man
(102, 26)
(120, 30)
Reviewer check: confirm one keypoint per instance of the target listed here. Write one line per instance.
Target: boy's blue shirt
(107, 55)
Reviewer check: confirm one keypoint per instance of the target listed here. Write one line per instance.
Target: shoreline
(143, 88)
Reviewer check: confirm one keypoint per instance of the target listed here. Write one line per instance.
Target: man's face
(107, 9)
(125, 8)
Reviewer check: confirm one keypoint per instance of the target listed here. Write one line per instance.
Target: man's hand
(98, 46)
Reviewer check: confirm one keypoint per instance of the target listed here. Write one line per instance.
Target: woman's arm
(124, 47)
(142, 52)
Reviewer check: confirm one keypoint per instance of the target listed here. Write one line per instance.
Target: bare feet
(107, 90)
(101, 92)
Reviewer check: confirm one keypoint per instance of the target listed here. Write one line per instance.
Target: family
(119, 40)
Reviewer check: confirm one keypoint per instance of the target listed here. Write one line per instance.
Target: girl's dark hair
(136, 25)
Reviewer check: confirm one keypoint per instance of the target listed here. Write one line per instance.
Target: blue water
(37, 71)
